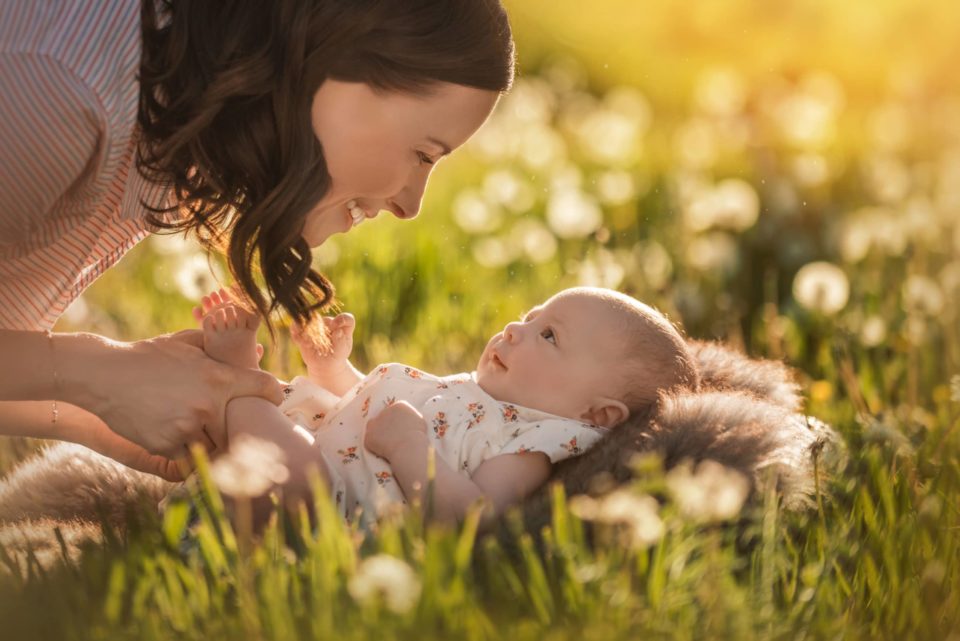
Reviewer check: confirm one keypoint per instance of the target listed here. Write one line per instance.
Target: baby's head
(588, 354)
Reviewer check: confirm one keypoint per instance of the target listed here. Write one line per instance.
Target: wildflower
(921, 294)
(494, 252)
(541, 147)
(251, 467)
(655, 263)
(535, 240)
(874, 331)
(473, 214)
(572, 213)
(194, 277)
(638, 512)
(721, 92)
(732, 204)
(715, 252)
(711, 492)
(603, 270)
(616, 187)
(821, 287)
(504, 187)
(387, 577)
(695, 143)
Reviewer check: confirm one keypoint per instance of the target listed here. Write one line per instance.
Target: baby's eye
(549, 336)
(424, 158)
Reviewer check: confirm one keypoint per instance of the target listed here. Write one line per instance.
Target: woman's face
(380, 148)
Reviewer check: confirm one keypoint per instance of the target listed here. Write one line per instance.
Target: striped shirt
(70, 194)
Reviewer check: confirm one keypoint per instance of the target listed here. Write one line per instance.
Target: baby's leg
(260, 418)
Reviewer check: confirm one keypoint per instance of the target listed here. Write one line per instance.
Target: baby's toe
(230, 317)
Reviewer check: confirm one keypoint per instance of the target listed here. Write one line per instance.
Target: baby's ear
(606, 412)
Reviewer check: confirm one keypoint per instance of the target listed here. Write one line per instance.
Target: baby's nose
(511, 332)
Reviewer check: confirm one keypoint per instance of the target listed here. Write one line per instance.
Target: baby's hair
(656, 357)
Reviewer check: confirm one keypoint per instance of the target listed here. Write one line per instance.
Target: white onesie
(465, 424)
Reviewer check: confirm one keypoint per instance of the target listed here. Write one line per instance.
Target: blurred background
(782, 175)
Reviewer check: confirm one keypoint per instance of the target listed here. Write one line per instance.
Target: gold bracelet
(56, 379)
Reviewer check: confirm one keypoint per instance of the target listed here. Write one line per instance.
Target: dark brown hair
(225, 95)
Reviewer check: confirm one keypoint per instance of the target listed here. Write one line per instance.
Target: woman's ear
(606, 412)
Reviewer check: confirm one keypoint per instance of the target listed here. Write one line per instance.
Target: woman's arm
(398, 434)
(33, 418)
(159, 393)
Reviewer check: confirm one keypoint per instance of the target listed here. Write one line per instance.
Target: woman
(263, 127)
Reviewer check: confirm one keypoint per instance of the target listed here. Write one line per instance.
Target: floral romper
(465, 424)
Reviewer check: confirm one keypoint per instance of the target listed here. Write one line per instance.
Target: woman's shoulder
(98, 43)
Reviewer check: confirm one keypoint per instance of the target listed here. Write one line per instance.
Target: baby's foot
(229, 330)
(321, 360)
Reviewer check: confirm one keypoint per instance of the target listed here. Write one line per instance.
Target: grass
(876, 558)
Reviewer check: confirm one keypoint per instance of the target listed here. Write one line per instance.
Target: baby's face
(560, 356)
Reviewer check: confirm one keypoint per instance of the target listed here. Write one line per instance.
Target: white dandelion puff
(732, 204)
(637, 512)
(874, 331)
(720, 92)
(195, 276)
(616, 187)
(655, 263)
(715, 252)
(494, 252)
(571, 213)
(821, 287)
(922, 295)
(388, 578)
(534, 240)
(473, 214)
(250, 468)
(711, 492)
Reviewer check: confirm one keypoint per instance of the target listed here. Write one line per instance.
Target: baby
(545, 388)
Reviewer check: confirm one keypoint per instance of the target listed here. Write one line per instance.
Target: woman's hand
(397, 426)
(109, 443)
(161, 393)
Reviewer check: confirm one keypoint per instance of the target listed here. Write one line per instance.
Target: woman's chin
(317, 235)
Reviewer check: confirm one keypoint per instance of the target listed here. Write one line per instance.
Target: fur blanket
(746, 416)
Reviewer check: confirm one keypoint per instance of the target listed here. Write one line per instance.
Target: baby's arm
(399, 435)
(329, 366)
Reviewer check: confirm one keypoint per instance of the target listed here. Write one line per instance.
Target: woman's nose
(406, 204)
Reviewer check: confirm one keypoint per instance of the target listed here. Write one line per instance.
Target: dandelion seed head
(639, 513)
(250, 468)
(922, 295)
(388, 578)
(710, 492)
(473, 214)
(821, 287)
(874, 331)
(572, 213)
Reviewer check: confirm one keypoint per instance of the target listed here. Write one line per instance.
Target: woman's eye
(424, 158)
(549, 335)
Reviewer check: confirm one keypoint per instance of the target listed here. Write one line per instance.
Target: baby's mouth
(495, 358)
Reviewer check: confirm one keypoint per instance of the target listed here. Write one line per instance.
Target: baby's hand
(322, 359)
(393, 428)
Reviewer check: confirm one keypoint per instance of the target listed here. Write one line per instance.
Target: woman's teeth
(357, 214)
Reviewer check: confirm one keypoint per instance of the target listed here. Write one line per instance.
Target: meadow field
(784, 177)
